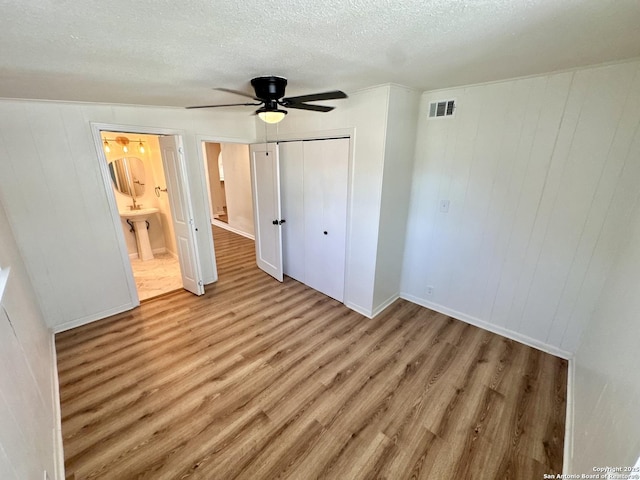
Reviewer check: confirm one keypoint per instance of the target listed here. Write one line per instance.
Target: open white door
(265, 187)
(182, 212)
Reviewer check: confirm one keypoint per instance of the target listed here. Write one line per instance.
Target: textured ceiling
(167, 52)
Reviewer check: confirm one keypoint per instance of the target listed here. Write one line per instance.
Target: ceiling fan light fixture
(271, 116)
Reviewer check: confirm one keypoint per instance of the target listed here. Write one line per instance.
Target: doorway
(214, 171)
(228, 179)
(144, 174)
(140, 189)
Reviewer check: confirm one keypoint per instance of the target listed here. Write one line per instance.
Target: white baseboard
(93, 317)
(567, 458)
(380, 308)
(58, 452)
(226, 226)
(505, 332)
(361, 310)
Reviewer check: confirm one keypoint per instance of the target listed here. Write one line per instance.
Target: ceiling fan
(269, 93)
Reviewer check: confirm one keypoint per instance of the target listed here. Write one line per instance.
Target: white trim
(361, 310)
(215, 139)
(314, 135)
(93, 317)
(226, 226)
(348, 244)
(567, 460)
(4, 278)
(57, 428)
(207, 180)
(380, 308)
(505, 332)
(96, 130)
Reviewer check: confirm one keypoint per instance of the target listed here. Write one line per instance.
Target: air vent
(444, 108)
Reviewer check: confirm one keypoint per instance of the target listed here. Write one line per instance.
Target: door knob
(275, 222)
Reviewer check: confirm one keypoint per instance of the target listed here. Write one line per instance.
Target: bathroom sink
(138, 220)
(138, 215)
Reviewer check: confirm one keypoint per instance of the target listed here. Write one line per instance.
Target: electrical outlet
(429, 291)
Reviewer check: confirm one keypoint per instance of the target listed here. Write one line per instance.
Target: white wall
(533, 172)
(606, 385)
(607, 369)
(399, 148)
(237, 183)
(57, 204)
(365, 113)
(29, 432)
(217, 199)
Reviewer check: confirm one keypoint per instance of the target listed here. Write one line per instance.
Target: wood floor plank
(258, 379)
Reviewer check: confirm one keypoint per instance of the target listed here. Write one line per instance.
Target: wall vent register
(444, 108)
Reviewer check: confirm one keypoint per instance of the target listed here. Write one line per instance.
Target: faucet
(135, 206)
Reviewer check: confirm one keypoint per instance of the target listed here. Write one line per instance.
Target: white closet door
(265, 186)
(325, 165)
(292, 198)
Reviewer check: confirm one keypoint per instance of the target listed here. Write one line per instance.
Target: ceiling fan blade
(313, 108)
(225, 105)
(237, 92)
(314, 97)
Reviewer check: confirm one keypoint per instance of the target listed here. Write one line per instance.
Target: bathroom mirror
(127, 175)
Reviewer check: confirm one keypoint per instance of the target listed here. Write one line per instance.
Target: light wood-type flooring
(265, 380)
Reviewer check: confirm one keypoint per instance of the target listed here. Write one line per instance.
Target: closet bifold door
(314, 176)
(325, 165)
(292, 198)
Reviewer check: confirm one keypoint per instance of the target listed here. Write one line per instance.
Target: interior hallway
(259, 379)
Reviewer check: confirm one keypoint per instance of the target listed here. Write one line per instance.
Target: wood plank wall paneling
(261, 380)
(27, 371)
(539, 173)
(56, 202)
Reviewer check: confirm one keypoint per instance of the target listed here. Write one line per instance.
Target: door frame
(96, 130)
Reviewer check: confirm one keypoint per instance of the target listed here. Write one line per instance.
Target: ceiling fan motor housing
(269, 88)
